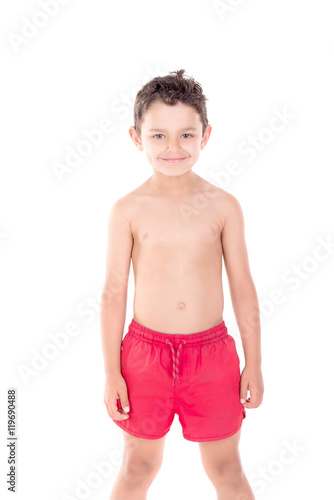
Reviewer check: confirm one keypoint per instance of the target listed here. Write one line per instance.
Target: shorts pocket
(125, 350)
(125, 342)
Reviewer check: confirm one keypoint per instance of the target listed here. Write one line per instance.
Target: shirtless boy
(177, 356)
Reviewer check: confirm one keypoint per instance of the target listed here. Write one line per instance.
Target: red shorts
(195, 375)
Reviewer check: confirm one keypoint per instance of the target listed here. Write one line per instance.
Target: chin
(175, 174)
(172, 170)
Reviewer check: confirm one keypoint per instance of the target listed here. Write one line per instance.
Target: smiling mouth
(173, 160)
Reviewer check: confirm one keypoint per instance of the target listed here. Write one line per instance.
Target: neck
(173, 185)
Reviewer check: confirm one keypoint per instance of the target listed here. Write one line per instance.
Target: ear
(206, 136)
(136, 139)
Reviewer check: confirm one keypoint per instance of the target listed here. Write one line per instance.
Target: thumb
(243, 391)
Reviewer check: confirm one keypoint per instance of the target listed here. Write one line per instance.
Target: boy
(177, 356)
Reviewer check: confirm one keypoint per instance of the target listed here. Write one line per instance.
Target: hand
(252, 380)
(116, 388)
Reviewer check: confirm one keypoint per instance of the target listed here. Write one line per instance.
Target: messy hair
(170, 89)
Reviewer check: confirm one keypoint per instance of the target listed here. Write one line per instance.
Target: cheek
(194, 149)
(155, 148)
(195, 146)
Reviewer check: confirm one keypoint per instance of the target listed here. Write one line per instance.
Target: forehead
(161, 115)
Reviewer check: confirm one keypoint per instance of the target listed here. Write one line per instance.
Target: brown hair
(170, 89)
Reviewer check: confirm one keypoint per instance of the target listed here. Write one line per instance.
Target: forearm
(247, 313)
(112, 320)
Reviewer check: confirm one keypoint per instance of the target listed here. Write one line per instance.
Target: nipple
(181, 305)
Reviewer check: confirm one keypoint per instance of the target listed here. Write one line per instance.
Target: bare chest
(175, 227)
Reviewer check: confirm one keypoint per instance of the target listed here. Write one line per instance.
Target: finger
(124, 402)
(117, 410)
(243, 392)
(110, 413)
(114, 412)
(253, 400)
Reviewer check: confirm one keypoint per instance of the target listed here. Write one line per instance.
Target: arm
(113, 305)
(244, 299)
(114, 294)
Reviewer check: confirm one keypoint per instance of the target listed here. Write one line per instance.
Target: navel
(182, 305)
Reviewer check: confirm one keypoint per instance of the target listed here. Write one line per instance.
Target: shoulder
(124, 209)
(129, 201)
(226, 205)
(232, 211)
(120, 207)
(225, 200)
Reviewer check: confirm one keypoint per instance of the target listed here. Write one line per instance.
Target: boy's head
(170, 90)
(171, 122)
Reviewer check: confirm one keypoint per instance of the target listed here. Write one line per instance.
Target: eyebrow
(162, 130)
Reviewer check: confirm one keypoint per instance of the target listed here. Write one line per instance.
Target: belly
(179, 299)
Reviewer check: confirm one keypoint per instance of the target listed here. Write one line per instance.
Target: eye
(188, 135)
(157, 135)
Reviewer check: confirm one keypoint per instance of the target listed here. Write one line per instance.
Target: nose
(172, 145)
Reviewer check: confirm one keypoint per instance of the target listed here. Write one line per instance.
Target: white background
(83, 66)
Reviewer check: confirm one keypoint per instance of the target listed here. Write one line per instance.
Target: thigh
(143, 451)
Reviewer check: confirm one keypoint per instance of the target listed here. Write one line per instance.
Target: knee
(139, 471)
(227, 473)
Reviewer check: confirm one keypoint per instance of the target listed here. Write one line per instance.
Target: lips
(173, 160)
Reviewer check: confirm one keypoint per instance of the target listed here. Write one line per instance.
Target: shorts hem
(214, 438)
(138, 434)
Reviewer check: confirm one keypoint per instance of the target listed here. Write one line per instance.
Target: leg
(222, 464)
(141, 462)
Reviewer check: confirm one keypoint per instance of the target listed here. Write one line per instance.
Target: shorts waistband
(205, 337)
